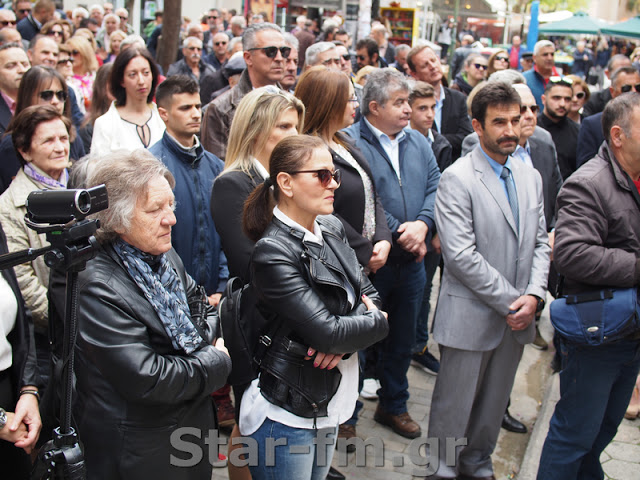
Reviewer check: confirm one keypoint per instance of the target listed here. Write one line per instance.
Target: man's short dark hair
(342, 31)
(493, 94)
(175, 85)
(622, 70)
(618, 112)
(34, 41)
(421, 90)
(371, 46)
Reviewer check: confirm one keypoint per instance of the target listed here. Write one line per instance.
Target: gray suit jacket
(488, 262)
(545, 161)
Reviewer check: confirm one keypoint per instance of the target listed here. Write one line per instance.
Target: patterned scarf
(39, 176)
(161, 286)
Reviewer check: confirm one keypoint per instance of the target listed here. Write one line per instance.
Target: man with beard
(490, 219)
(192, 63)
(564, 131)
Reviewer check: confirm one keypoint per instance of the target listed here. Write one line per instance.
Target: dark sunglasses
(25, 10)
(272, 51)
(534, 109)
(212, 17)
(324, 175)
(502, 58)
(64, 61)
(4, 23)
(217, 44)
(580, 95)
(55, 33)
(360, 57)
(47, 95)
(628, 88)
(479, 66)
(346, 56)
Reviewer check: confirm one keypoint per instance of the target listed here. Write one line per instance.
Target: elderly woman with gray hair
(147, 356)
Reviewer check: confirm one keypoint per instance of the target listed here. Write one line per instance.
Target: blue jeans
(401, 287)
(431, 262)
(300, 458)
(595, 388)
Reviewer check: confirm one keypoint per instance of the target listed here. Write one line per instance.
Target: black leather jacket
(302, 287)
(134, 388)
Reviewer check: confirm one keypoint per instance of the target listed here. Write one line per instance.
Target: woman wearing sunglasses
(39, 86)
(264, 117)
(85, 66)
(581, 95)
(498, 61)
(310, 286)
(475, 71)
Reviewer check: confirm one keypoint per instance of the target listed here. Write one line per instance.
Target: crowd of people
(334, 178)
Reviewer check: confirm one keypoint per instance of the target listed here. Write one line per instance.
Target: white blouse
(111, 132)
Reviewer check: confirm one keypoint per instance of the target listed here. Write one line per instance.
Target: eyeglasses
(580, 95)
(24, 10)
(65, 61)
(124, 19)
(346, 57)
(534, 109)
(361, 58)
(217, 44)
(324, 175)
(480, 66)
(628, 88)
(212, 17)
(502, 58)
(47, 95)
(4, 23)
(55, 33)
(353, 99)
(272, 51)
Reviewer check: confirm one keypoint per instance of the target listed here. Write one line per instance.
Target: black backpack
(247, 333)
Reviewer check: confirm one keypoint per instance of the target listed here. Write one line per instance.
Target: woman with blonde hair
(264, 117)
(498, 61)
(85, 66)
(115, 39)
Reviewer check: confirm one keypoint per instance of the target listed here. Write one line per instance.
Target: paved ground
(516, 456)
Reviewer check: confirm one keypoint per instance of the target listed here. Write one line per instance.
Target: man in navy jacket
(406, 175)
(194, 237)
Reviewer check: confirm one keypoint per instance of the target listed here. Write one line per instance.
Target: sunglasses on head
(4, 23)
(47, 95)
(534, 109)
(580, 95)
(628, 88)
(561, 80)
(65, 60)
(272, 51)
(324, 175)
(479, 66)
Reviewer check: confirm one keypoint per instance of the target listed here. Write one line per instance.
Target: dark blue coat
(194, 236)
(590, 138)
(413, 197)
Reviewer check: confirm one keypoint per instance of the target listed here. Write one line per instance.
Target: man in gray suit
(490, 217)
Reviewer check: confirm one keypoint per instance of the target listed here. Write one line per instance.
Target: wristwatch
(3, 418)
(540, 305)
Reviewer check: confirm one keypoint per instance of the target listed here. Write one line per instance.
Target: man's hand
(552, 239)
(412, 235)
(16, 435)
(422, 251)
(379, 255)
(219, 344)
(435, 243)
(525, 311)
(214, 299)
(27, 416)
